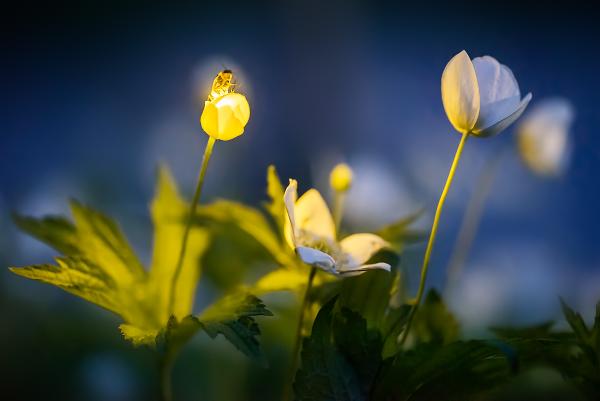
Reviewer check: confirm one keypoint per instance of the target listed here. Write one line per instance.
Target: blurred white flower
(543, 136)
(481, 97)
(310, 231)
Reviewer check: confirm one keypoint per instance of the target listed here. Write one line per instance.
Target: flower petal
(316, 258)
(289, 199)
(313, 217)
(360, 247)
(460, 92)
(225, 117)
(543, 136)
(356, 271)
(506, 122)
(498, 91)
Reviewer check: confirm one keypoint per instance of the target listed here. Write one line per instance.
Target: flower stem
(165, 366)
(338, 208)
(298, 341)
(472, 218)
(432, 235)
(207, 153)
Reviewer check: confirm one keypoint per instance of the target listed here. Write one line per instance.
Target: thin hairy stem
(432, 235)
(207, 153)
(298, 340)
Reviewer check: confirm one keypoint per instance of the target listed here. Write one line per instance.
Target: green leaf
(542, 330)
(576, 322)
(233, 317)
(433, 322)
(79, 277)
(325, 373)
(169, 211)
(275, 191)
(99, 239)
(460, 371)
(250, 221)
(56, 231)
(368, 294)
(139, 336)
(360, 346)
(392, 328)
(400, 233)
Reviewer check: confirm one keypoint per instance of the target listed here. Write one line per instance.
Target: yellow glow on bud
(226, 112)
(340, 178)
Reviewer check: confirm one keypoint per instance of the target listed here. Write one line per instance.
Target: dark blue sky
(94, 96)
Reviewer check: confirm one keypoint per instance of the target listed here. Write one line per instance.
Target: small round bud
(225, 117)
(340, 178)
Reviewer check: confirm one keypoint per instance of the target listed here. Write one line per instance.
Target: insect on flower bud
(226, 112)
(340, 178)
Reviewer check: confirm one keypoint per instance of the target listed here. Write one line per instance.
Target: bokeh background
(94, 95)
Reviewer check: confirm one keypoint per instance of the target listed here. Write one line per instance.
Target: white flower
(481, 97)
(543, 136)
(310, 231)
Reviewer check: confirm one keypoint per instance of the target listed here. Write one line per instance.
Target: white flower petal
(360, 247)
(316, 258)
(289, 198)
(542, 136)
(498, 91)
(460, 92)
(361, 269)
(313, 217)
(506, 122)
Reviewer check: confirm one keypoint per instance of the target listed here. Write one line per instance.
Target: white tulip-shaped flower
(543, 136)
(481, 97)
(310, 231)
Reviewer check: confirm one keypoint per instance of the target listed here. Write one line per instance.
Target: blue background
(95, 96)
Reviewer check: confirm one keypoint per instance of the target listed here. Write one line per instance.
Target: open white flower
(481, 97)
(310, 231)
(543, 136)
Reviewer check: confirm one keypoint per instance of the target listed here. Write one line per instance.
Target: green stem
(298, 341)
(338, 208)
(432, 235)
(165, 366)
(207, 153)
(472, 218)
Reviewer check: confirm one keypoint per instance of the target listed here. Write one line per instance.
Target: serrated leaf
(139, 336)
(360, 346)
(101, 240)
(275, 206)
(325, 374)
(460, 371)
(79, 277)
(233, 317)
(56, 231)
(248, 220)
(169, 211)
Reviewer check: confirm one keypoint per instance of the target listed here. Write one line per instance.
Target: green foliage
(434, 323)
(575, 354)
(275, 206)
(400, 234)
(233, 317)
(344, 359)
(99, 265)
(457, 371)
(325, 374)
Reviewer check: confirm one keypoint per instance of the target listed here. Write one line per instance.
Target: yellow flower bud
(340, 178)
(225, 117)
